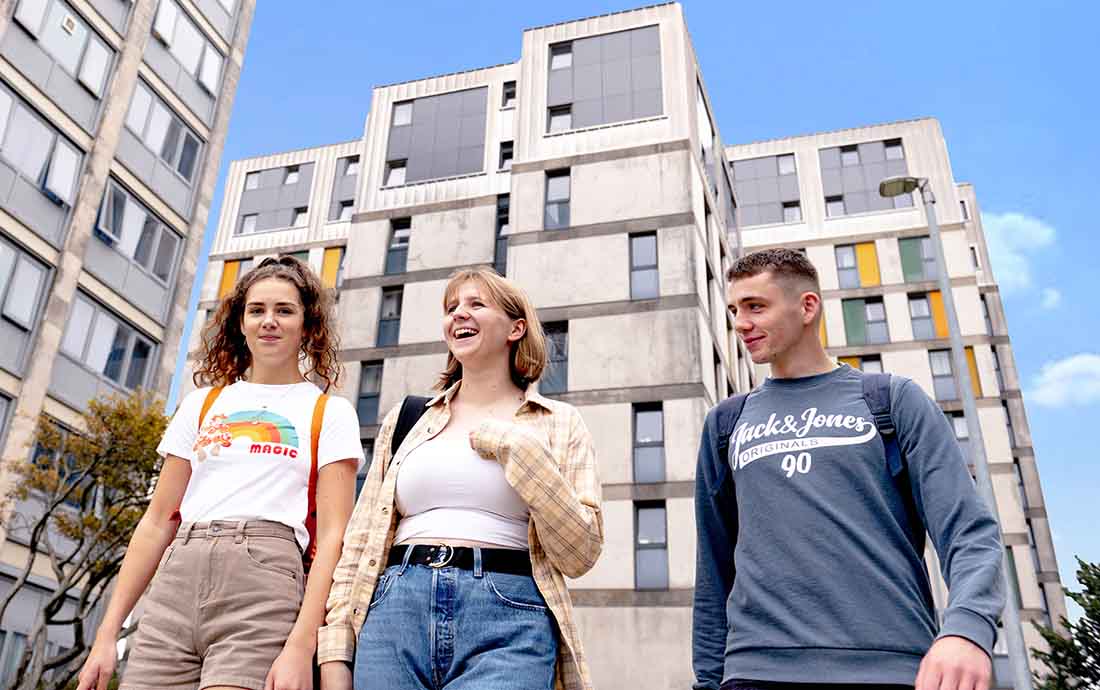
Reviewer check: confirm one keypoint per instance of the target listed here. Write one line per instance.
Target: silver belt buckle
(443, 555)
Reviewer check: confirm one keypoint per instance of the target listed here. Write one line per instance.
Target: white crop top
(445, 491)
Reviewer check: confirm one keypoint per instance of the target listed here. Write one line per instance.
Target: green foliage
(79, 500)
(1074, 659)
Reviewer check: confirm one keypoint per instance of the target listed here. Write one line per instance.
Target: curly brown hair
(225, 357)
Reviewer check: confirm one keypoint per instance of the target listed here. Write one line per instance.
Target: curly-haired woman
(247, 457)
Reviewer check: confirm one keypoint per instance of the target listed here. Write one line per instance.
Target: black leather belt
(509, 561)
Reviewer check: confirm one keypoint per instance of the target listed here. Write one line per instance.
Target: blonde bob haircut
(528, 355)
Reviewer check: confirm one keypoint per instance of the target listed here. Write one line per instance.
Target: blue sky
(1012, 83)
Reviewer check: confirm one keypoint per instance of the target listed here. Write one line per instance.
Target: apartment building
(591, 171)
(113, 116)
(884, 312)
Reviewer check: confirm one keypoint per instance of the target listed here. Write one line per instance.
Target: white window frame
(20, 268)
(61, 159)
(127, 240)
(90, 332)
(166, 26)
(143, 92)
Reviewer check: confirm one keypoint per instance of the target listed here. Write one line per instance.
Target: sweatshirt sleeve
(716, 527)
(966, 536)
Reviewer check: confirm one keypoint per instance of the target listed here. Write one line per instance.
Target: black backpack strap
(729, 412)
(412, 409)
(876, 392)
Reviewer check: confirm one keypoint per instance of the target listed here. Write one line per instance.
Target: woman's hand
(292, 670)
(99, 667)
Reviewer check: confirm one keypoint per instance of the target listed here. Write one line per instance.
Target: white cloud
(1012, 239)
(1050, 298)
(1074, 380)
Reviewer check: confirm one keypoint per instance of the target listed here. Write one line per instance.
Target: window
(397, 255)
(792, 212)
(14, 645)
(395, 173)
(301, 217)
(644, 279)
(975, 263)
(34, 149)
(650, 545)
(186, 43)
(127, 225)
(986, 317)
(893, 149)
(508, 95)
(5, 402)
(21, 281)
(505, 155)
(1021, 488)
(555, 379)
(370, 387)
(1008, 424)
(920, 313)
(252, 181)
(389, 321)
(870, 364)
(346, 209)
(834, 206)
(846, 269)
(557, 200)
(561, 119)
(231, 272)
(849, 156)
(561, 56)
(786, 164)
(865, 321)
(500, 248)
(351, 166)
(649, 443)
(302, 256)
(918, 261)
(248, 224)
(962, 432)
(164, 133)
(292, 175)
(402, 113)
(997, 369)
(965, 210)
(67, 39)
(943, 375)
(106, 344)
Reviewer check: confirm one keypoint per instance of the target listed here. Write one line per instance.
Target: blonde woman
(452, 573)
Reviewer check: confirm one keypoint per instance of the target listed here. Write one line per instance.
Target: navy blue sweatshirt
(812, 578)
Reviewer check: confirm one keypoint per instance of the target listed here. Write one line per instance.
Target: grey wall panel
(831, 181)
(183, 84)
(254, 200)
(852, 179)
(267, 220)
(474, 101)
(471, 131)
(7, 180)
(872, 152)
(37, 65)
(877, 202)
(72, 383)
(648, 103)
(127, 278)
(272, 178)
(855, 202)
(788, 188)
(162, 62)
(746, 192)
(105, 263)
(588, 113)
(645, 41)
(614, 78)
(560, 88)
(874, 173)
(750, 215)
(419, 167)
(114, 11)
(221, 20)
(616, 46)
(15, 343)
(446, 137)
(171, 187)
(618, 107)
(587, 51)
(346, 186)
(424, 110)
(137, 158)
(769, 190)
(645, 72)
(30, 205)
(770, 213)
(896, 167)
(471, 158)
(399, 143)
(830, 158)
(766, 167)
(588, 82)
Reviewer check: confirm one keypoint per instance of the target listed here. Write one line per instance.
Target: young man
(810, 548)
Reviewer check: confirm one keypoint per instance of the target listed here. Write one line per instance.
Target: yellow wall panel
(229, 277)
(330, 266)
(972, 364)
(822, 334)
(851, 361)
(867, 261)
(939, 315)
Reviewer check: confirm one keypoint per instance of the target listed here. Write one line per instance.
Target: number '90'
(801, 464)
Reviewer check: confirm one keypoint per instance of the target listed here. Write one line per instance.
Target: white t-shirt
(251, 459)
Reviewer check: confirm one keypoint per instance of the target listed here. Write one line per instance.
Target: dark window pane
(144, 250)
(554, 378)
(557, 215)
(649, 426)
(113, 368)
(368, 410)
(397, 260)
(652, 569)
(643, 250)
(644, 284)
(651, 526)
(139, 362)
(171, 141)
(649, 464)
(188, 156)
(388, 330)
(166, 255)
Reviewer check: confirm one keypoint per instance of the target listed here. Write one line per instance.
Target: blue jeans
(456, 629)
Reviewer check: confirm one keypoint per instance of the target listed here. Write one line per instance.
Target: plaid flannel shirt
(548, 457)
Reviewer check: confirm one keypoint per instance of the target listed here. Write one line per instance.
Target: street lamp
(896, 186)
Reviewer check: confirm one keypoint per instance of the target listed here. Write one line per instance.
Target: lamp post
(896, 186)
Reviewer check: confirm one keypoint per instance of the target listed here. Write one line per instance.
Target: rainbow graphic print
(263, 431)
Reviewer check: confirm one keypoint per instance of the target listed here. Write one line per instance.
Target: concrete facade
(102, 94)
(647, 356)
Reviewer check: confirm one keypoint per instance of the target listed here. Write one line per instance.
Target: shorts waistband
(238, 529)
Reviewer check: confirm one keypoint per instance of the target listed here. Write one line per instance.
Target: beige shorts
(221, 606)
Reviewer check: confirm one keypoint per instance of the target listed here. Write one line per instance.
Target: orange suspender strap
(311, 513)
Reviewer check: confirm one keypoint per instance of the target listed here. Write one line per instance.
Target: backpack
(413, 408)
(876, 393)
(314, 440)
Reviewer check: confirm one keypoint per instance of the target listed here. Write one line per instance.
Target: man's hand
(954, 663)
(335, 675)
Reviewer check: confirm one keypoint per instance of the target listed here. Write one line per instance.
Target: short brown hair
(225, 357)
(528, 355)
(789, 264)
